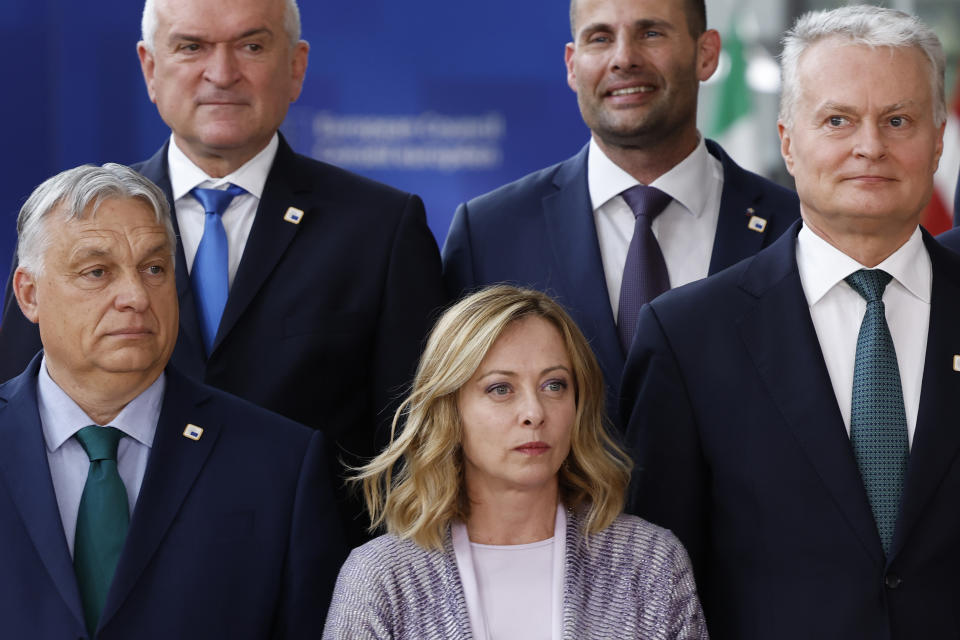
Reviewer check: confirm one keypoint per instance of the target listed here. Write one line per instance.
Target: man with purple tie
(647, 204)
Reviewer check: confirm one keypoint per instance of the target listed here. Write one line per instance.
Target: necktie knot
(216, 200)
(100, 443)
(646, 202)
(869, 283)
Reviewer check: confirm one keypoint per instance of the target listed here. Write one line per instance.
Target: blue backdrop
(444, 99)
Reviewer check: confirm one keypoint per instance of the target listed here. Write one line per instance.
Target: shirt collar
(822, 266)
(61, 417)
(683, 182)
(252, 176)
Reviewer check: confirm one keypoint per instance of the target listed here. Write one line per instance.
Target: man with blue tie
(303, 288)
(134, 502)
(793, 418)
(646, 205)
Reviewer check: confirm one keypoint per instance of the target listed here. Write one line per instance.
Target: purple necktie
(645, 272)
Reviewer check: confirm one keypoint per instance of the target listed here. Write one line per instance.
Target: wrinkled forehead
(219, 20)
(843, 66)
(111, 220)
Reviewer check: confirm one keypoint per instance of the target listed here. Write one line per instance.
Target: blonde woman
(502, 498)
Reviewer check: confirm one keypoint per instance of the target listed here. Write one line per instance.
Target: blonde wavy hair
(415, 487)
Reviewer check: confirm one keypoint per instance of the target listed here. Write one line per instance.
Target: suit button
(892, 581)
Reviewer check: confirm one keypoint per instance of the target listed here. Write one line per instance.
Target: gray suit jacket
(633, 580)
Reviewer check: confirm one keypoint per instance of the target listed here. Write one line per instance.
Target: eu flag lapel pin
(193, 432)
(293, 215)
(756, 223)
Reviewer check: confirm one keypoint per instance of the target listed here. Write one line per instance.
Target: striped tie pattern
(878, 421)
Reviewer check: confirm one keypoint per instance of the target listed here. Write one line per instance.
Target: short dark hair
(696, 11)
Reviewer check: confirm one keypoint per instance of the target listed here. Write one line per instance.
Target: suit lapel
(576, 256)
(734, 239)
(175, 462)
(936, 439)
(780, 337)
(158, 172)
(269, 236)
(26, 473)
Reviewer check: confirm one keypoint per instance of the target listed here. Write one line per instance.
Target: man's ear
(708, 54)
(785, 149)
(147, 65)
(568, 52)
(25, 289)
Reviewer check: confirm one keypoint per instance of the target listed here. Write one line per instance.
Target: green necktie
(878, 421)
(102, 521)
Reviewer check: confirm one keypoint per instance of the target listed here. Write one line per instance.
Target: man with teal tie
(134, 502)
(793, 418)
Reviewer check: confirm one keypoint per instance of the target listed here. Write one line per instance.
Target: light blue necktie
(210, 275)
(878, 421)
(102, 521)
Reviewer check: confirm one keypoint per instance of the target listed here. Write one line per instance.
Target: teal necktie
(878, 421)
(102, 521)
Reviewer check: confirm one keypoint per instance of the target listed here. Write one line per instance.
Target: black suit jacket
(325, 319)
(741, 450)
(539, 232)
(231, 536)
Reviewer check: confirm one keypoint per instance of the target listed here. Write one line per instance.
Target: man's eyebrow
(189, 37)
(87, 252)
(830, 105)
(639, 25)
(162, 248)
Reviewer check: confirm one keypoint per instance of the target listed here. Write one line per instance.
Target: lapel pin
(293, 215)
(757, 224)
(193, 432)
(956, 363)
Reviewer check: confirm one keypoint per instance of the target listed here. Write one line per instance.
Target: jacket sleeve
(412, 300)
(670, 478)
(315, 552)
(360, 607)
(458, 276)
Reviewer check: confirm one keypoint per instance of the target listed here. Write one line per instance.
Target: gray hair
(76, 194)
(148, 23)
(863, 25)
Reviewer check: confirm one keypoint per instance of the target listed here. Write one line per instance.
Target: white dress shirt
(237, 219)
(837, 312)
(61, 418)
(685, 230)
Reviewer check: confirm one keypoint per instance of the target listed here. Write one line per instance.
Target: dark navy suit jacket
(741, 450)
(952, 238)
(539, 232)
(325, 319)
(231, 537)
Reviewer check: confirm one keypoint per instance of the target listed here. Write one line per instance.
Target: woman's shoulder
(642, 537)
(391, 553)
